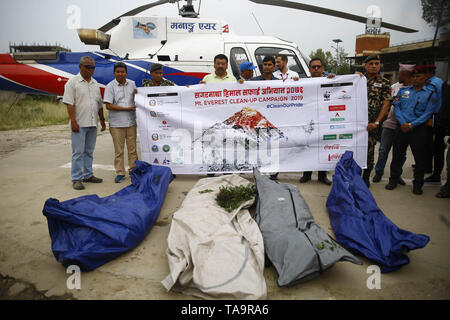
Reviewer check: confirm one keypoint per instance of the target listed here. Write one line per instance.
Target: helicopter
(186, 45)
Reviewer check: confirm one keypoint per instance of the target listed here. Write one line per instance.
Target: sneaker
(93, 179)
(119, 178)
(417, 190)
(401, 181)
(391, 185)
(433, 178)
(77, 185)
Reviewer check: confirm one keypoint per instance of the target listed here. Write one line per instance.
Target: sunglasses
(316, 67)
(89, 67)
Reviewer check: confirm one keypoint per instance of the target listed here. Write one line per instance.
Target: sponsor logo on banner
(155, 137)
(337, 117)
(166, 161)
(156, 160)
(341, 95)
(166, 148)
(344, 136)
(345, 95)
(337, 126)
(330, 137)
(335, 146)
(152, 103)
(337, 108)
(334, 156)
(153, 114)
(155, 148)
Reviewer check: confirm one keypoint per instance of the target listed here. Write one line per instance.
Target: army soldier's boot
(366, 177)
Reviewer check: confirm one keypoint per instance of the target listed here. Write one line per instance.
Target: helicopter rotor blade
(329, 12)
(133, 12)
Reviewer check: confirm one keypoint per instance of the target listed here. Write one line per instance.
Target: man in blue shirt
(268, 66)
(413, 106)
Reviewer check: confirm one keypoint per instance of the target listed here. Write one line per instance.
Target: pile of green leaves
(231, 198)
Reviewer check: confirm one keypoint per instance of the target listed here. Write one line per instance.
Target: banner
(277, 126)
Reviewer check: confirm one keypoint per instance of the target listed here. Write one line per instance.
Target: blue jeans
(83, 144)
(386, 141)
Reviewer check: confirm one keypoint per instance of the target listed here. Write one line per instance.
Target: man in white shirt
(283, 72)
(119, 100)
(84, 103)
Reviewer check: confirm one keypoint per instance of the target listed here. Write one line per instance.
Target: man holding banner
(379, 102)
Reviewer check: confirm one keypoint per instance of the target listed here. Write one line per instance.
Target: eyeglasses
(89, 67)
(316, 67)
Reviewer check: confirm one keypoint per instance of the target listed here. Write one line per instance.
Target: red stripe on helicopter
(34, 78)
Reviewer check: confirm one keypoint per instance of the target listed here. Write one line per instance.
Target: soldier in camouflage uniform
(156, 71)
(379, 101)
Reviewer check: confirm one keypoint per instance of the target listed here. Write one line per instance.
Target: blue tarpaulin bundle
(360, 226)
(90, 231)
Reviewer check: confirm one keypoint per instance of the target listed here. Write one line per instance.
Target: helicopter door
(237, 54)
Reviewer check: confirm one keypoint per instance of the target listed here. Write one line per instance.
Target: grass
(19, 111)
(231, 198)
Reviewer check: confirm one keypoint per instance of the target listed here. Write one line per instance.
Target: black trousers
(416, 139)
(429, 149)
(322, 174)
(438, 149)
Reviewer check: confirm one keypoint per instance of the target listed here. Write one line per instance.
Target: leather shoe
(305, 178)
(325, 180)
(377, 177)
(391, 185)
(77, 185)
(417, 190)
(401, 181)
(93, 179)
(274, 176)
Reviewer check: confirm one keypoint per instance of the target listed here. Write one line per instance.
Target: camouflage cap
(156, 66)
(372, 57)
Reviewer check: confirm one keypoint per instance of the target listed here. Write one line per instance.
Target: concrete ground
(33, 168)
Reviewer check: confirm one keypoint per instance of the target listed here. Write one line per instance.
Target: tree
(326, 57)
(329, 61)
(433, 10)
(436, 13)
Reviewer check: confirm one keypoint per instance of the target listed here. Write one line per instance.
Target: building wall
(367, 44)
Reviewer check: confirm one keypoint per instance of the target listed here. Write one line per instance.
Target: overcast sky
(46, 20)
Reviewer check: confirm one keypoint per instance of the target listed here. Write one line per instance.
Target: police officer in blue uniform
(413, 106)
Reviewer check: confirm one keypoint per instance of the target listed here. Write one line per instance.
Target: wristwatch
(377, 123)
(410, 125)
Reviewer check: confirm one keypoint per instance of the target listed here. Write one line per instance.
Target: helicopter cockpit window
(293, 61)
(237, 56)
